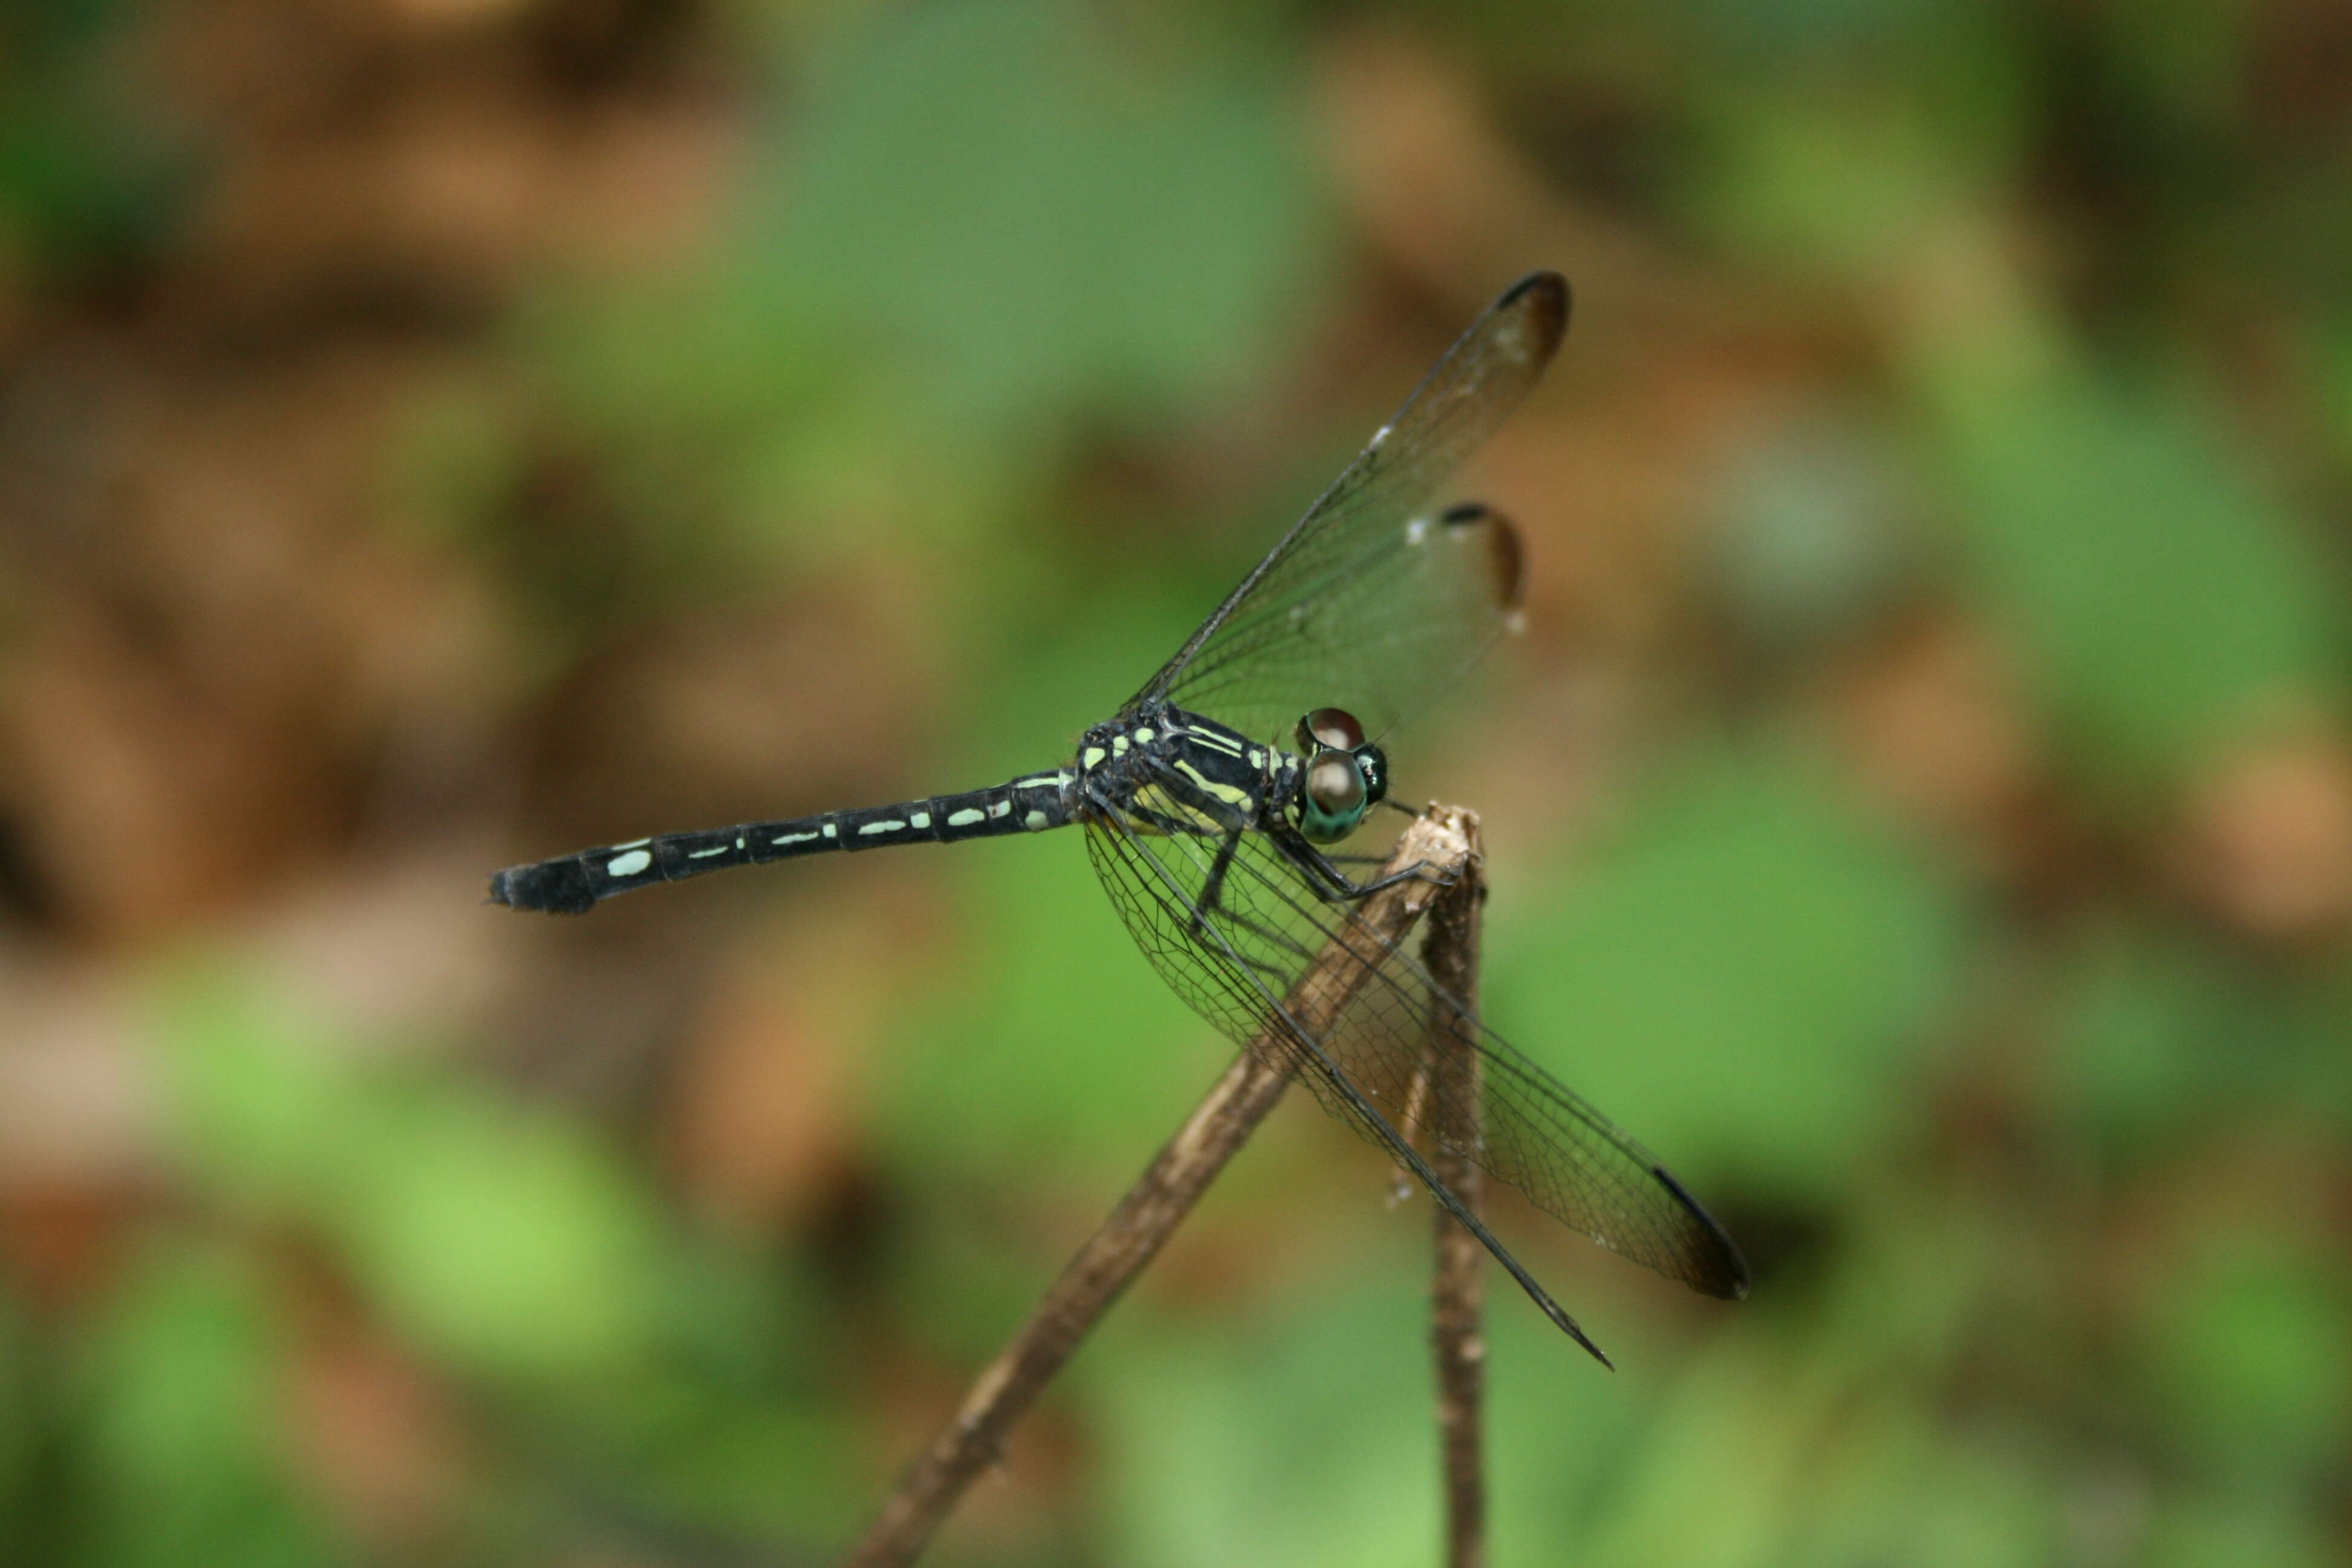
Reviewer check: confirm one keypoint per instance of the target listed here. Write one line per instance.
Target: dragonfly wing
(1231, 924)
(1374, 599)
(1230, 990)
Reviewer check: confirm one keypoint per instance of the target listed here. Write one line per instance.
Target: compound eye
(1335, 787)
(1331, 728)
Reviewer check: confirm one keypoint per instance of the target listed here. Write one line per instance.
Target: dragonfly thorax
(1169, 770)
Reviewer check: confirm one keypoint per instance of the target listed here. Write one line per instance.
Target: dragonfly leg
(1212, 902)
(1213, 891)
(1332, 885)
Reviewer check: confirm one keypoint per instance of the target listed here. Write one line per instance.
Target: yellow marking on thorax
(1224, 743)
(1155, 798)
(1233, 794)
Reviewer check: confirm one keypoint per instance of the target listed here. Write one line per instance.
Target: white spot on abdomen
(628, 865)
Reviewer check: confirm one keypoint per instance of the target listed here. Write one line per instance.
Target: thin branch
(1450, 950)
(1441, 845)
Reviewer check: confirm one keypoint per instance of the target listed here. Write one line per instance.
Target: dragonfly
(1217, 799)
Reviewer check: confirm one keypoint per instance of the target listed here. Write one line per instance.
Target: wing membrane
(1373, 600)
(1260, 931)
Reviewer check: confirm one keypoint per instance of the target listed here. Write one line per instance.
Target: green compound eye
(1334, 799)
(1346, 775)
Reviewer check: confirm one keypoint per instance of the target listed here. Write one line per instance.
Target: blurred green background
(440, 433)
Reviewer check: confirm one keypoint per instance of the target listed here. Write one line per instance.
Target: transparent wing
(1231, 952)
(1373, 600)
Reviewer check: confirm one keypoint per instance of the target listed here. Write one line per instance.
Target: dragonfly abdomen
(573, 884)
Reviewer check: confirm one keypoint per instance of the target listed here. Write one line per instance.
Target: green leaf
(20, 1417)
(2248, 1347)
(1302, 1446)
(2138, 1024)
(1046, 218)
(2164, 601)
(263, 1107)
(1740, 983)
(2252, 1531)
(1055, 1035)
(504, 1238)
(186, 1396)
(91, 178)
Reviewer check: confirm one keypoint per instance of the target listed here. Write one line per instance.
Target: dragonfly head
(1346, 775)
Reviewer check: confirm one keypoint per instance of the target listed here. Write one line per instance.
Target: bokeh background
(440, 433)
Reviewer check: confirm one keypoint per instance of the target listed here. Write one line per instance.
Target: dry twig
(1451, 952)
(1441, 841)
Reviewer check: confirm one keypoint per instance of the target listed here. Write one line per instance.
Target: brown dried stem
(1450, 949)
(1440, 842)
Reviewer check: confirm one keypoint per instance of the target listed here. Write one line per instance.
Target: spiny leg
(1332, 885)
(1211, 904)
(1213, 891)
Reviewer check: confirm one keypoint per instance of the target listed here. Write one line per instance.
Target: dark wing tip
(1506, 556)
(1714, 1264)
(1543, 300)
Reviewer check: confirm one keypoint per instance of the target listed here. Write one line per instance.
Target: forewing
(1234, 959)
(1401, 619)
(1374, 598)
